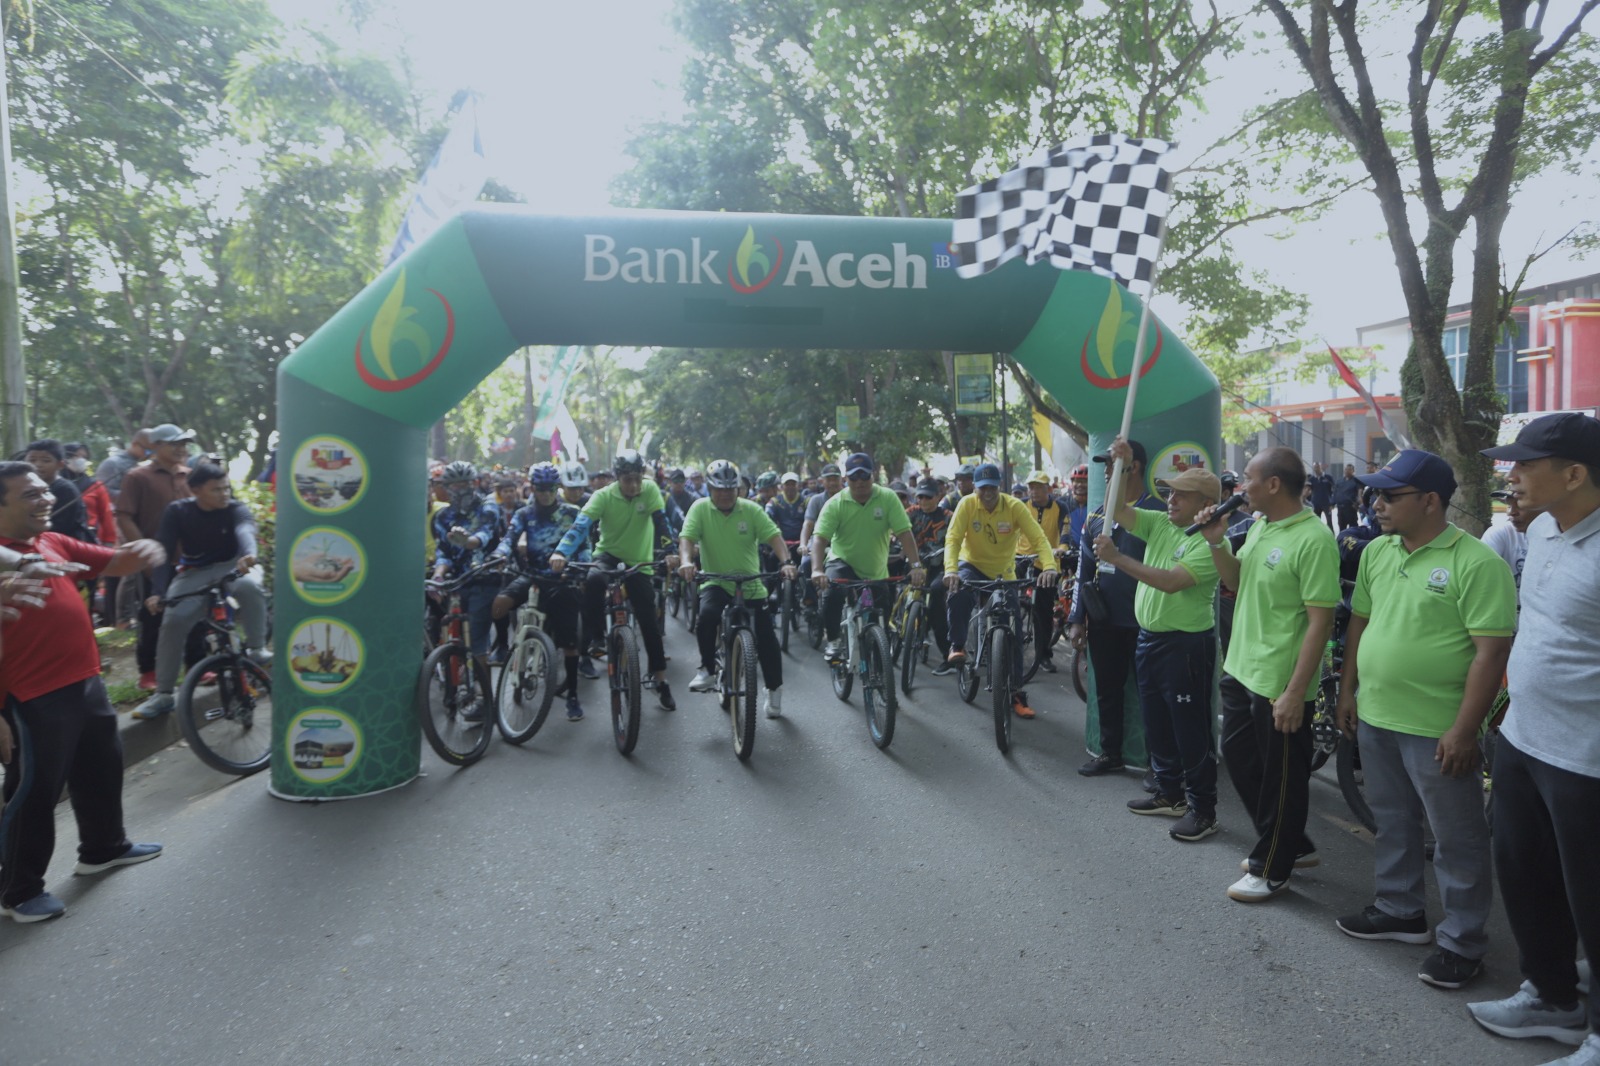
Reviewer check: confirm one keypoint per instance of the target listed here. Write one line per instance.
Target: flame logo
(1116, 327)
(392, 329)
(751, 253)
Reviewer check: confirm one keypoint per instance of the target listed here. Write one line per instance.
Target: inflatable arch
(356, 399)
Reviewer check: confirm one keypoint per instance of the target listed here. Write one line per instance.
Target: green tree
(1491, 96)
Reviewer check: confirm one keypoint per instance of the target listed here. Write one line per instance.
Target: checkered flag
(1096, 203)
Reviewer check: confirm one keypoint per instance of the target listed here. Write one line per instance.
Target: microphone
(1230, 505)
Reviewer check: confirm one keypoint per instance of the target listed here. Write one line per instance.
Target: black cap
(1570, 435)
(925, 488)
(1503, 495)
(1417, 468)
(1138, 454)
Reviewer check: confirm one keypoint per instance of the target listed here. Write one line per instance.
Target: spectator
(146, 491)
(1321, 484)
(208, 535)
(1346, 495)
(116, 465)
(96, 500)
(1430, 630)
(1112, 645)
(70, 517)
(1547, 763)
(1078, 484)
(1509, 539)
(1287, 580)
(62, 726)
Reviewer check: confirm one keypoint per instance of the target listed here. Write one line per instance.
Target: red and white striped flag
(1349, 378)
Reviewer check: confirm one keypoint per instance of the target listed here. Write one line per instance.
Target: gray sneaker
(1525, 1015)
(1588, 1054)
(156, 706)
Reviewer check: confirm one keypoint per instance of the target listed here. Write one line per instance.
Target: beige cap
(1038, 477)
(1204, 482)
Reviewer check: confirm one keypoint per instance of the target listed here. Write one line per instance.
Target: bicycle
(526, 686)
(228, 724)
(786, 600)
(910, 635)
(737, 668)
(624, 673)
(453, 688)
(866, 653)
(991, 647)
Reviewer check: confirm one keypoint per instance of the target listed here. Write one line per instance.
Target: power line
(157, 97)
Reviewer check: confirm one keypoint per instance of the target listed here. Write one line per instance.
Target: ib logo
(943, 257)
(755, 267)
(399, 343)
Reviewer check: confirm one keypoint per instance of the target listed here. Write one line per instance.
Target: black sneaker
(1047, 665)
(944, 669)
(586, 668)
(1101, 765)
(1193, 826)
(664, 696)
(1159, 804)
(1374, 924)
(1445, 969)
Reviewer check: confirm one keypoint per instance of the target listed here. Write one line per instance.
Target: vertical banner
(847, 420)
(795, 441)
(555, 389)
(455, 176)
(974, 384)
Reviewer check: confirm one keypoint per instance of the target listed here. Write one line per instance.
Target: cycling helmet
(768, 480)
(1081, 472)
(722, 475)
(967, 470)
(627, 461)
(574, 476)
(1230, 480)
(544, 476)
(458, 471)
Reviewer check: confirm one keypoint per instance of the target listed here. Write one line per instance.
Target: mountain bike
(992, 645)
(229, 723)
(866, 654)
(786, 598)
(527, 682)
(910, 632)
(737, 666)
(624, 669)
(454, 692)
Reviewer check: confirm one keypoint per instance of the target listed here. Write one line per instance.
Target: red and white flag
(1349, 378)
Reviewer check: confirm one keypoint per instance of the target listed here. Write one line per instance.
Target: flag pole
(1114, 489)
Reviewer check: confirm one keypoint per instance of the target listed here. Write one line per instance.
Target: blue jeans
(476, 601)
(1175, 671)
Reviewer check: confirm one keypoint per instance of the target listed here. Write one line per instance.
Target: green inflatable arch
(355, 402)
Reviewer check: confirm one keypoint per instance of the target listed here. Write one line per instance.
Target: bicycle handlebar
(706, 575)
(448, 585)
(226, 579)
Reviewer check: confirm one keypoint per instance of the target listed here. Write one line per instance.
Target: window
(1510, 376)
(1455, 354)
(1288, 434)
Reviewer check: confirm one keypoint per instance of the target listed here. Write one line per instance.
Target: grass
(125, 692)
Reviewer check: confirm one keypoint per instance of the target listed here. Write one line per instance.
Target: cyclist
(982, 546)
(788, 509)
(852, 538)
(727, 531)
(1078, 482)
(574, 484)
(466, 532)
(207, 535)
(533, 534)
(832, 482)
(766, 486)
(678, 491)
(962, 489)
(632, 525)
(930, 522)
(1052, 515)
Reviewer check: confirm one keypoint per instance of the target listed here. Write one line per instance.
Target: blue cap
(986, 476)
(1417, 468)
(858, 463)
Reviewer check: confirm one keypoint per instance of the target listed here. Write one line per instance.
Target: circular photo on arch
(325, 655)
(330, 474)
(324, 745)
(326, 565)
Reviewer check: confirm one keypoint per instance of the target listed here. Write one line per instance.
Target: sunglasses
(1389, 497)
(860, 476)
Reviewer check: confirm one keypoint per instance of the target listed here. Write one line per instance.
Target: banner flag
(555, 388)
(1348, 376)
(455, 176)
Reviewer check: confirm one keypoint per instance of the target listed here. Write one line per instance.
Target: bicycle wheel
(622, 668)
(1027, 645)
(1325, 734)
(814, 630)
(674, 595)
(844, 678)
(1000, 652)
(913, 631)
(526, 688)
(786, 608)
(1080, 674)
(742, 690)
(877, 686)
(230, 725)
(452, 686)
(1347, 759)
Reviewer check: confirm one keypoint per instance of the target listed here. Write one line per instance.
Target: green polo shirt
(1284, 567)
(627, 530)
(858, 533)
(1190, 610)
(730, 543)
(1423, 608)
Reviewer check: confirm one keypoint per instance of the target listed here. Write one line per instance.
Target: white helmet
(574, 476)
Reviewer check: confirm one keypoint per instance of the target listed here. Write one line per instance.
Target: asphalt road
(825, 903)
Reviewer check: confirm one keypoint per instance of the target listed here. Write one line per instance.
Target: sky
(565, 85)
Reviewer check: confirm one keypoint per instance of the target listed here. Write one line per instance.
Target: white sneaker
(1253, 889)
(1588, 1054)
(704, 681)
(774, 704)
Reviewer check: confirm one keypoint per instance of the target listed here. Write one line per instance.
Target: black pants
(1111, 652)
(833, 598)
(144, 650)
(1175, 671)
(1347, 515)
(66, 737)
(1547, 855)
(1272, 772)
(713, 601)
(642, 594)
(558, 601)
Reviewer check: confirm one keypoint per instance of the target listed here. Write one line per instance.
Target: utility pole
(13, 382)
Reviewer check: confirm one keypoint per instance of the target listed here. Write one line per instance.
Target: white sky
(565, 85)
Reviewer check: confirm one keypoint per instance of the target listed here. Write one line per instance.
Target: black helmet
(1229, 479)
(460, 470)
(627, 461)
(722, 475)
(767, 480)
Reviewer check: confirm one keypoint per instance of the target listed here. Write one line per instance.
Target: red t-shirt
(52, 646)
